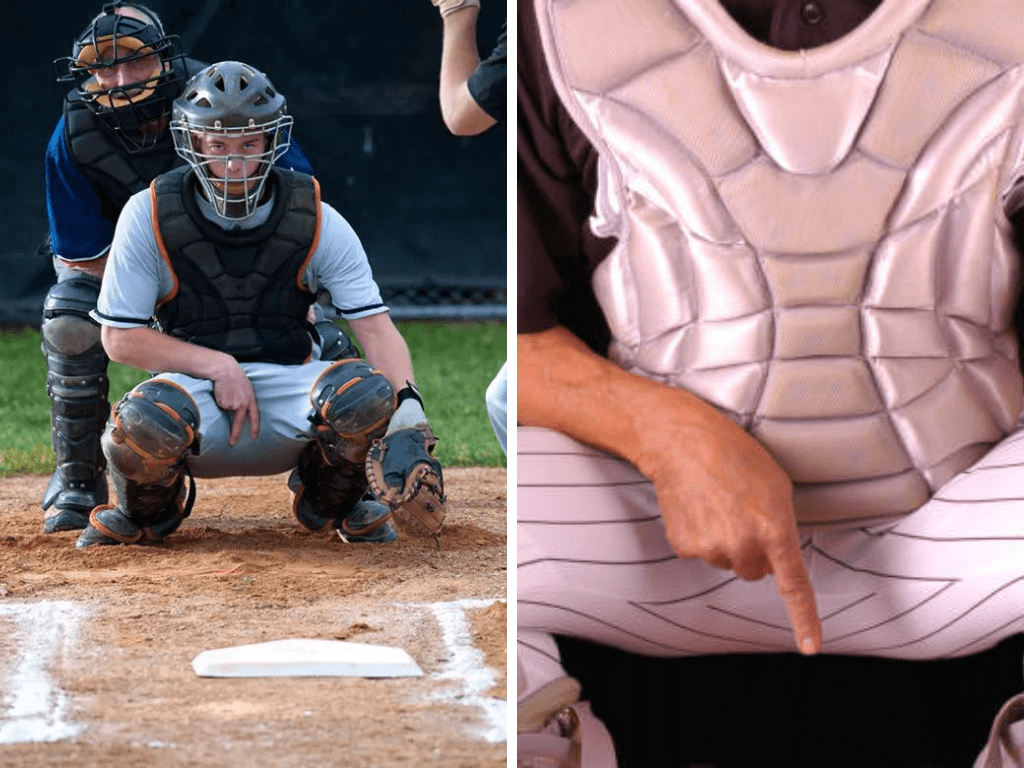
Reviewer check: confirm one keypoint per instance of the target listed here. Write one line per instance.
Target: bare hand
(726, 501)
(233, 392)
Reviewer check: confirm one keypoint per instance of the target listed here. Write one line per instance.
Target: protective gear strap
(409, 390)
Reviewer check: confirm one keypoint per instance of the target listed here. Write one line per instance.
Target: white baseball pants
(593, 562)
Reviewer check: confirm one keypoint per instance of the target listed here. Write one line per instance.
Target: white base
(300, 657)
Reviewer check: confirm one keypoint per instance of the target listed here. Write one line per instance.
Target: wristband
(451, 6)
(406, 392)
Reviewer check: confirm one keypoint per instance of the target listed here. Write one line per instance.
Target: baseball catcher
(111, 141)
(228, 253)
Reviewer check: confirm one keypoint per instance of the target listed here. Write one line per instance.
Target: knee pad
(71, 338)
(352, 404)
(150, 431)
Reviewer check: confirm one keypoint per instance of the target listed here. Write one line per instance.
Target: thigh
(593, 562)
(946, 580)
(282, 393)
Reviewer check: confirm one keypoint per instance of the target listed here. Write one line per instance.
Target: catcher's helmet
(231, 99)
(127, 71)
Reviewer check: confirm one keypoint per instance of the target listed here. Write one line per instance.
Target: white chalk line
(34, 709)
(466, 664)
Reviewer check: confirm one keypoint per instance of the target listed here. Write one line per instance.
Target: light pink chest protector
(815, 242)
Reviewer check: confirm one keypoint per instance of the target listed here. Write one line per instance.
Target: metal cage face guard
(132, 110)
(238, 196)
(233, 100)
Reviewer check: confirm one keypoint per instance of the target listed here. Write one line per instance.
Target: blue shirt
(78, 229)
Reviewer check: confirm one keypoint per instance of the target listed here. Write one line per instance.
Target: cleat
(65, 520)
(383, 534)
(91, 537)
(364, 517)
(556, 730)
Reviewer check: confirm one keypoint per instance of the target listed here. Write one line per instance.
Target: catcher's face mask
(123, 70)
(231, 125)
(232, 164)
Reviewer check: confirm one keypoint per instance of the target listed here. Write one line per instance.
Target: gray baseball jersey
(137, 277)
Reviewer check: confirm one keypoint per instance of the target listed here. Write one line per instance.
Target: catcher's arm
(150, 350)
(722, 496)
(401, 468)
(384, 347)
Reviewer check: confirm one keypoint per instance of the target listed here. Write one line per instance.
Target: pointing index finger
(797, 595)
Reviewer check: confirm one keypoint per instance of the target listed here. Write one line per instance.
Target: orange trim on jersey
(316, 238)
(163, 248)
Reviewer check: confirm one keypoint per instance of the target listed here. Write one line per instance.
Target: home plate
(303, 657)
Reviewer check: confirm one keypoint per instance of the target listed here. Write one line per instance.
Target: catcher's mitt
(404, 475)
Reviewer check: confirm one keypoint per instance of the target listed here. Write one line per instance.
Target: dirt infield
(96, 645)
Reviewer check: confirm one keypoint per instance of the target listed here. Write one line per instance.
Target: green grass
(454, 363)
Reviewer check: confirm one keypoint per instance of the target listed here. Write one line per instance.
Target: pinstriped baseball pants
(593, 562)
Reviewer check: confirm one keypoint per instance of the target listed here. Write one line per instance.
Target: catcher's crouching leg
(145, 443)
(352, 404)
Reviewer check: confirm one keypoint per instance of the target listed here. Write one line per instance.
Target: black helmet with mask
(127, 71)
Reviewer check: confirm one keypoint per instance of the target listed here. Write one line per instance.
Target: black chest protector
(114, 173)
(239, 292)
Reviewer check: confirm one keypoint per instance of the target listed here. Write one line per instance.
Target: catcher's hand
(404, 474)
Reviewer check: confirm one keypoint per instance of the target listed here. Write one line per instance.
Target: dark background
(788, 711)
(361, 80)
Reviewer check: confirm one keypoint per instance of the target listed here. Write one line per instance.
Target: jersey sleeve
(487, 84)
(78, 230)
(136, 275)
(295, 159)
(339, 265)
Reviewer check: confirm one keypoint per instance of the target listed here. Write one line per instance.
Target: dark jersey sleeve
(295, 160)
(557, 179)
(487, 83)
(79, 231)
